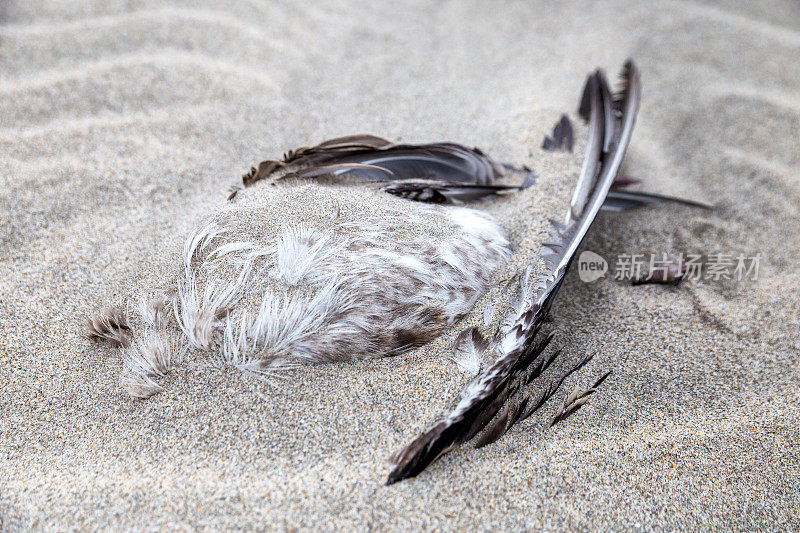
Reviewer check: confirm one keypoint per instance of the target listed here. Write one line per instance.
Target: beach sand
(122, 124)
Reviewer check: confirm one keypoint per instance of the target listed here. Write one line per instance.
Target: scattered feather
(233, 191)
(576, 400)
(139, 385)
(153, 353)
(467, 350)
(562, 137)
(155, 309)
(111, 325)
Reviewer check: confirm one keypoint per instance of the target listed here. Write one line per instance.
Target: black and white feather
(485, 396)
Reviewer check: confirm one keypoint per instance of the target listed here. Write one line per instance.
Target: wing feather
(375, 159)
(518, 348)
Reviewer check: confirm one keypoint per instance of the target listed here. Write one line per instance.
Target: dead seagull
(361, 247)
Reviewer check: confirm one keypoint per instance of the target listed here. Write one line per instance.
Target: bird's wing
(323, 153)
(379, 160)
(519, 348)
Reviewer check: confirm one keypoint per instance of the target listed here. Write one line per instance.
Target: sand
(123, 123)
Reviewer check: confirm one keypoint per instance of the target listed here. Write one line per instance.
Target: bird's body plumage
(355, 274)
